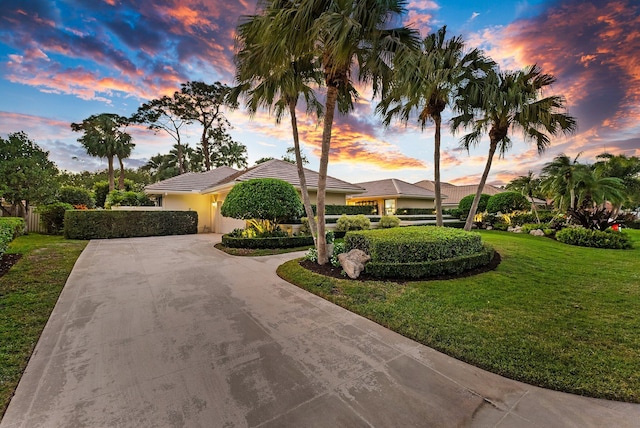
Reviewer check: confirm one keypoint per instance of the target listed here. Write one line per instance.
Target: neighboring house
(390, 195)
(205, 192)
(456, 193)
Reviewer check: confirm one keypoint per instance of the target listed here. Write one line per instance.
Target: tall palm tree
(123, 151)
(502, 102)
(528, 185)
(427, 81)
(276, 87)
(342, 35)
(560, 178)
(104, 138)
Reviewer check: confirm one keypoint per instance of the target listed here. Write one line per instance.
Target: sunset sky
(62, 61)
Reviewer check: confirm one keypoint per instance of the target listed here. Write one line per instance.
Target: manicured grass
(250, 252)
(552, 315)
(28, 293)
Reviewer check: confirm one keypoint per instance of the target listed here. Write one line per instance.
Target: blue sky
(61, 61)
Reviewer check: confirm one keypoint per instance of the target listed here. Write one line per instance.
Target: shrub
(347, 209)
(16, 224)
(388, 221)
(7, 233)
(356, 222)
(414, 211)
(528, 227)
(419, 251)
(100, 191)
(91, 224)
(465, 204)
(520, 218)
(76, 196)
(269, 242)
(507, 202)
(594, 238)
(263, 199)
(117, 198)
(52, 216)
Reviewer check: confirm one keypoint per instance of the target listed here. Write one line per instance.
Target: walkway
(170, 332)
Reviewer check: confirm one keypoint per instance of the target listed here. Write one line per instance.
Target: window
(389, 206)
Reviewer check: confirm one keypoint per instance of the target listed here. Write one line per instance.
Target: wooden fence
(32, 221)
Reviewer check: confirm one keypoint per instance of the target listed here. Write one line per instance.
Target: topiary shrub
(388, 221)
(76, 196)
(355, 222)
(103, 224)
(52, 216)
(264, 199)
(465, 204)
(594, 238)
(419, 251)
(507, 202)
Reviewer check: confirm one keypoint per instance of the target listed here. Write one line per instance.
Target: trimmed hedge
(355, 222)
(414, 211)
(388, 221)
(105, 224)
(414, 243)
(417, 270)
(272, 242)
(346, 209)
(594, 238)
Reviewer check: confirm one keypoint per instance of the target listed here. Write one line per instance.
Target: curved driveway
(170, 332)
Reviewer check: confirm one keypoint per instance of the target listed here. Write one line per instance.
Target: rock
(537, 232)
(516, 229)
(353, 262)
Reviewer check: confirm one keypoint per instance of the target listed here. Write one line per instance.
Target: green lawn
(28, 293)
(553, 315)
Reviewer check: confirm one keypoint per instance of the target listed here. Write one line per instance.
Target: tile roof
(394, 188)
(456, 193)
(192, 181)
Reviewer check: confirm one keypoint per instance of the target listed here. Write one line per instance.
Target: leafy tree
(507, 202)
(268, 200)
(466, 203)
(26, 173)
(104, 137)
(502, 102)
(166, 114)
(86, 179)
(161, 167)
(76, 196)
(292, 151)
(224, 151)
(344, 36)
(276, 81)
(426, 81)
(202, 103)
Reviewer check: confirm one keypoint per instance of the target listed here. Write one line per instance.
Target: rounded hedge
(594, 238)
(507, 202)
(263, 199)
(465, 203)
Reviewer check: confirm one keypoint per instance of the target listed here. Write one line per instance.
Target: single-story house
(390, 195)
(205, 192)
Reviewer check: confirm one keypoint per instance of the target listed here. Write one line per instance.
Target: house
(205, 192)
(390, 195)
(455, 193)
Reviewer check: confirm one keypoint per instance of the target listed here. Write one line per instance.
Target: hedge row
(417, 270)
(594, 238)
(414, 211)
(273, 242)
(346, 209)
(89, 224)
(10, 228)
(414, 243)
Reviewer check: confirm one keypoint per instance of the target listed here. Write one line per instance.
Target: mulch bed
(336, 272)
(8, 260)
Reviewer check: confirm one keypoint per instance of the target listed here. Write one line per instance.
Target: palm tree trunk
(535, 210)
(476, 200)
(303, 180)
(330, 107)
(112, 184)
(121, 178)
(436, 170)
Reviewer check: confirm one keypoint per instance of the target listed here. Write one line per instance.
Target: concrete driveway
(170, 332)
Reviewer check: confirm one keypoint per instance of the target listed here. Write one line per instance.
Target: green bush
(594, 238)
(117, 198)
(356, 222)
(414, 211)
(465, 204)
(528, 227)
(347, 209)
(76, 196)
(100, 191)
(272, 242)
(92, 224)
(388, 221)
(52, 216)
(267, 199)
(507, 202)
(17, 224)
(7, 231)
(520, 218)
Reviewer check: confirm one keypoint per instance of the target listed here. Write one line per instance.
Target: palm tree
(528, 185)
(427, 81)
(276, 87)
(103, 138)
(560, 178)
(342, 35)
(502, 102)
(123, 151)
